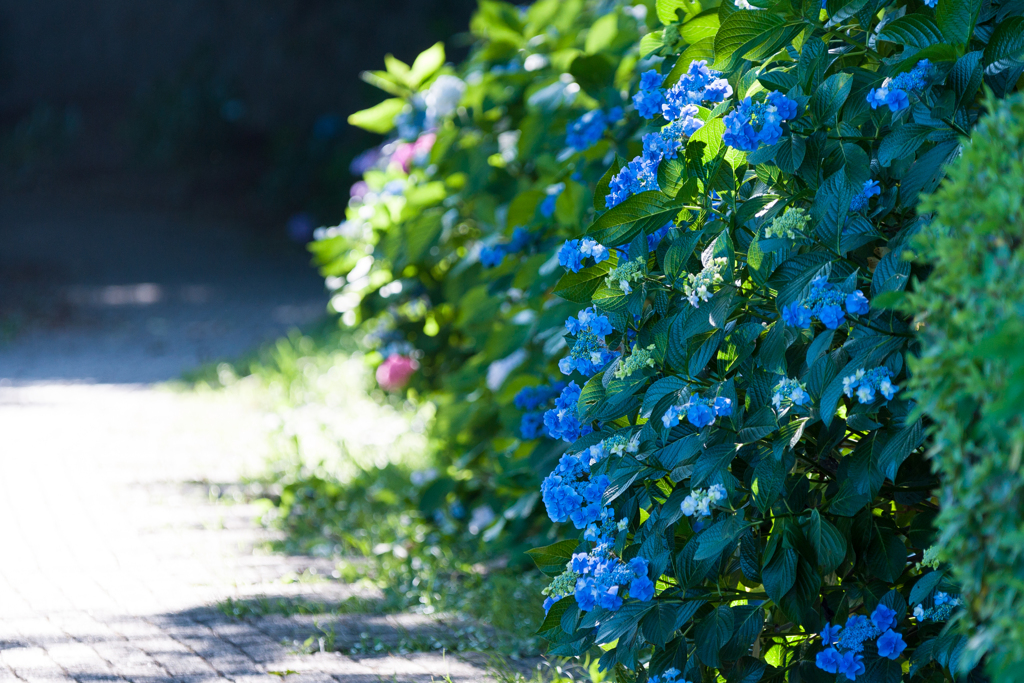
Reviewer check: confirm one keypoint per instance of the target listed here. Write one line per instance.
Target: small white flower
(717, 491)
(689, 506)
(919, 613)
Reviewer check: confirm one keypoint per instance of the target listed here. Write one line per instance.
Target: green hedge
(969, 379)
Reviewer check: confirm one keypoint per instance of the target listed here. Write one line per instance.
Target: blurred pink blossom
(394, 373)
(406, 152)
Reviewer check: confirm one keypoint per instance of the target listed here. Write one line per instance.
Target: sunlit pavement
(114, 558)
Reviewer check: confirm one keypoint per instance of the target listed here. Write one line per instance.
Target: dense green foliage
(969, 378)
(740, 439)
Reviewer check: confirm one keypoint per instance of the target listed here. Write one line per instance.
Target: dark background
(241, 100)
(163, 163)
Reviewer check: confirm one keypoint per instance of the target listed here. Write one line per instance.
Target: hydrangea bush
(697, 377)
(776, 489)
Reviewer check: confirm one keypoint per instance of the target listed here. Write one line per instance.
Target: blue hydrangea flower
(700, 411)
(753, 124)
(865, 383)
(547, 207)
(828, 660)
(571, 493)
(857, 303)
(574, 253)
(852, 665)
(797, 315)
(491, 257)
(585, 131)
(891, 645)
(531, 398)
(791, 391)
(871, 189)
(642, 588)
(532, 425)
(894, 92)
(562, 421)
(830, 634)
(650, 98)
(883, 617)
(831, 316)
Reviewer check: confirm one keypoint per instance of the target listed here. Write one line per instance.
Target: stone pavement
(113, 564)
(113, 558)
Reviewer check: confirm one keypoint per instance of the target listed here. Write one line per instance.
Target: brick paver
(113, 561)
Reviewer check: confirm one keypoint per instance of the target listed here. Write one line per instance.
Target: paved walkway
(113, 558)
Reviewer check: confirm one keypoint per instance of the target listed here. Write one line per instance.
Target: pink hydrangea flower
(394, 373)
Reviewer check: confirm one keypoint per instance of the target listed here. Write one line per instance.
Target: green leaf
(551, 559)
(899, 449)
(711, 461)
(666, 9)
(1006, 43)
(580, 287)
(956, 19)
(553, 619)
(622, 223)
(890, 274)
(378, 118)
(924, 587)
(758, 425)
(790, 153)
(744, 29)
(912, 30)
(699, 28)
(966, 77)
(886, 554)
(769, 475)
(829, 545)
(828, 99)
(848, 501)
(652, 42)
(780, 574)
(902, 142)
(626, 619)
(718, 537)
(712, 633)
(711, 135)
(426, 64)
(659, 624)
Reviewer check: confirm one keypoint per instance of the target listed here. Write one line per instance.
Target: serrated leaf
(717, 538)
(902, 143)
(886, 554)
(830, 96)
(912, 30)
(644, 212)
(956, 19)
(580, 287)
(551, 559)
(712, 633)
(744, 29)
(780, 574)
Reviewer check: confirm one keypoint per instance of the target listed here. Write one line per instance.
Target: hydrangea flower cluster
(589, 352)
(597, 578)
(789, 225)
(944, 604)
(626, 274)
(865, 384)
(639, 358)
(871, 189)
(585, 131)
(698, 84)
(426, 109)
(753, 124)
(845, 643)
(894, 92)
(699, 501)
(491, 257)
(547, 206)
(825, 302)
(790, 391)
(697, 288)
(562, 421)
(571, 494)
(574, 253)
(678, 105)
(700, 411)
